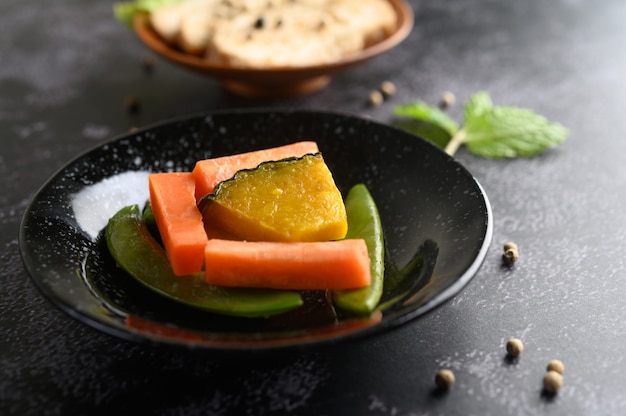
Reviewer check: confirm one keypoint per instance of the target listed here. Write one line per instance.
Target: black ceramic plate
(436, 219)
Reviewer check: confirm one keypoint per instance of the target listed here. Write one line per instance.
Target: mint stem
(455, 142)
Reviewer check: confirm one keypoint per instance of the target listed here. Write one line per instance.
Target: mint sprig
(421, 111)
(124, 11)
(489, 131)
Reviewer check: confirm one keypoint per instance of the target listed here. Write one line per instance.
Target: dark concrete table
(66, 68)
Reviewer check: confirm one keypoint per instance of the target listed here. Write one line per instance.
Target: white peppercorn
(444, 379)
(552, 382)
(131, 102)
(510, 246)
(447, 99)
(375, 98)
(387, 88)
(511, 253)
(556, 365)
(514, 347)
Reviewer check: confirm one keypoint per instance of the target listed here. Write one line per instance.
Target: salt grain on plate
(95, 204)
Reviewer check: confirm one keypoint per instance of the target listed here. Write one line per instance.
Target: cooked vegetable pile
(244, 235)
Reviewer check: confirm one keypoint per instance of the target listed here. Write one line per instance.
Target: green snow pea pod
(137, 252)
(148, 218)
(364, 222)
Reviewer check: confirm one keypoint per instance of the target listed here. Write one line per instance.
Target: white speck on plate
(95, 204)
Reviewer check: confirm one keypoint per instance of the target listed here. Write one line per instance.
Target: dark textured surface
(66, 68)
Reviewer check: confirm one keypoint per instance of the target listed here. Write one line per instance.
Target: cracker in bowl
(274, 33)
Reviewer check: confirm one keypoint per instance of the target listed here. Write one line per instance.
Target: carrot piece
(341, 264)
(209, 172)
(178, 219)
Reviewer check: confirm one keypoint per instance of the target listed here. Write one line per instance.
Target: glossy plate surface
(436, 219)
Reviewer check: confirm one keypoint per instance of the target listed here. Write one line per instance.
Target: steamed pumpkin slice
(289, 200)
(208, 173)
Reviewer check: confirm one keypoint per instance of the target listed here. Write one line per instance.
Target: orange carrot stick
(209, 172)
(342, 264)
(179, 220)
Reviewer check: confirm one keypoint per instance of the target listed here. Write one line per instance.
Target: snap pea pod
(148, 218)
(138, 253)
(364, 222)
(402, 284)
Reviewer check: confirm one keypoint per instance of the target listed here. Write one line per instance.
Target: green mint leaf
(508, 132)
(423, 112)
(476, 105)
(426, 130)
(489, 131)
(125, 11)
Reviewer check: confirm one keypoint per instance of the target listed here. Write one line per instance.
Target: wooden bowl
(277, 81)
